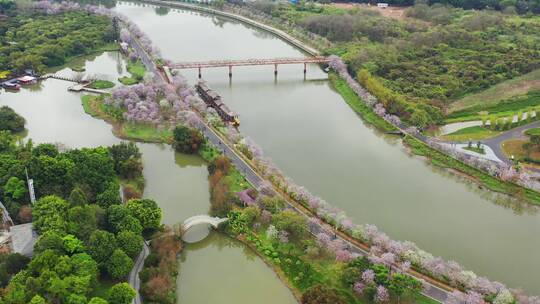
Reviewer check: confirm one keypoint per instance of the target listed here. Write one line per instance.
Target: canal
(316, 139)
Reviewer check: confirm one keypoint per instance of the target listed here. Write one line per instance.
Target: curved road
(495, 143)
(134, 279)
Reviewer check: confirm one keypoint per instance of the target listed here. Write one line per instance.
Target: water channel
(176, 181)
(315, 138)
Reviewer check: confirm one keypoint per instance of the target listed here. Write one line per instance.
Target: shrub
(322, 294)
(187, 140)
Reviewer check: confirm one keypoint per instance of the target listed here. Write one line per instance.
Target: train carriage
(212, 99)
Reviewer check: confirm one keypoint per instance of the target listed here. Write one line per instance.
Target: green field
(101, 84)
(504, 108)
(505, 90)
(146, 133)
(136, 69)
(533, 132)
(470, 133)
(128, 80)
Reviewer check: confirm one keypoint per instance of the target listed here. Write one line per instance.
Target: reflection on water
(178, 182)
(315, 138)
(222, 270)
(196, 233)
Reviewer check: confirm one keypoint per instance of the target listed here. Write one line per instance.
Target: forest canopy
(427, 59)
(35, 41)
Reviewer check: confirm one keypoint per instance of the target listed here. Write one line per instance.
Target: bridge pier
(275, 69)
(200, 76)
(305, 68)
(230, 71)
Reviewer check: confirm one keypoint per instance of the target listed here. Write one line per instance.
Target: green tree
(37, 299)
(45, 149)
(146, 211)
(130, 243)
(10, 121)
(94, 169)
(7, 142)
(187, 140)
(82, 221)
(127, 159)
(101, 245)
(119, 265)
(273, 204)
(77, 197)
(321, 294)
(52, 175)
(15, 262)
(85, 267)
(96, 300)
(400, 283)
(15, 188)
(292, 222)
(76, 299)
(72, 244)
(50, 213)
(111, 196)
(120, 219)
(121, 293)
(49, 240)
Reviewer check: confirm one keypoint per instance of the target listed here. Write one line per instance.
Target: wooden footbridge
(248, 62)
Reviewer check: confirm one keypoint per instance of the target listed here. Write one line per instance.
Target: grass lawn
(236, 181)
(136, 69)
(515, 147)
(470, 133)
(146, 133)
(87, 105)
(128, 80)
(533, 131)
(505, 108)
(504, 90)
(101, 84)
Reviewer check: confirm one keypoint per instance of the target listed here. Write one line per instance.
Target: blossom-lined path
(432, 288)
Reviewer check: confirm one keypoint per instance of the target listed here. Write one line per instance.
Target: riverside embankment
(363, 172)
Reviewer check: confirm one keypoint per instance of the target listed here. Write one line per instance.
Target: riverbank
(480, 176)
(95, 107)
(284, 240)
(294, 190)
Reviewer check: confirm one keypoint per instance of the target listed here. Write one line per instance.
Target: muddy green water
(321, 143)
(176, 181)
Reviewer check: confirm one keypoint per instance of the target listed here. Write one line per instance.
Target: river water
(315, 138)
(176, 181)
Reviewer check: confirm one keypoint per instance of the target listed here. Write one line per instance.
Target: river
(315, 138)
(178, 182)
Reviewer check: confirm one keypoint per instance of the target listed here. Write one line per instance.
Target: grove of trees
(187, 140)
(34, 41)
(86, 235)
(10, 121)
(423, 63)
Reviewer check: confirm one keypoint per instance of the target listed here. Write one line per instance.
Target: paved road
(134, 279)
(431, 290)
(495, 142)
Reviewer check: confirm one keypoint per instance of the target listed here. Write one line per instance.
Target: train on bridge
(212, 99)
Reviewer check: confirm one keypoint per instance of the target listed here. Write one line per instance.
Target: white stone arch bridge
(202, 219)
